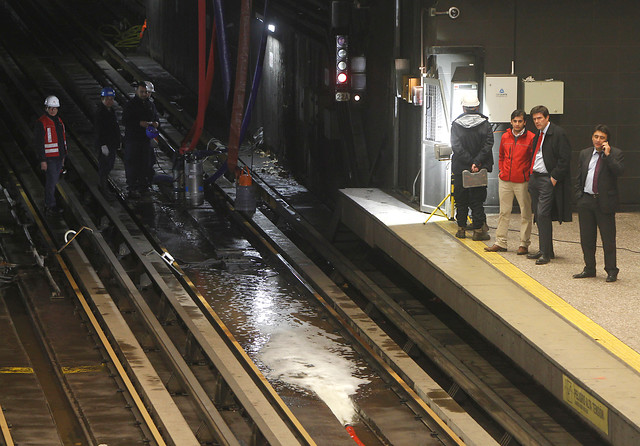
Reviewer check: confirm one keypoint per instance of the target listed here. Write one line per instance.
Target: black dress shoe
(611, 278)
(538, 254)
(534, 255)
(542, 260)
(584, 273)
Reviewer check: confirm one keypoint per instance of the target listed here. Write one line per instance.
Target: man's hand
(105, 150)
(554, 181)
(474, 168)
(607, 148)
(43, 166)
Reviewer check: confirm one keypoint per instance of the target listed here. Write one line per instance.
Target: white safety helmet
(150, 87)
(52, 101)
(470, 99)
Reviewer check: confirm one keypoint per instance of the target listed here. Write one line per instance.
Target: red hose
(205, 78)
(353, 435)
(240, 87)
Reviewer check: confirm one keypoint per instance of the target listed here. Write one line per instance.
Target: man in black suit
(597, 193)
(550, 181)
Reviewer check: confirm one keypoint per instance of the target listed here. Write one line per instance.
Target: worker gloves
(105, 150)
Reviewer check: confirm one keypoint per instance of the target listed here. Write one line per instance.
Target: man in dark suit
(597, 193)
(550, 181)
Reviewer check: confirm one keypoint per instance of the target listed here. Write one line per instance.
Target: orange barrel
(245, 196)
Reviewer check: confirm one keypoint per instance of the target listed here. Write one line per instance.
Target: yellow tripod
(439, 210)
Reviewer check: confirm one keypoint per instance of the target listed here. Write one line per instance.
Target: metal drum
(193, 181)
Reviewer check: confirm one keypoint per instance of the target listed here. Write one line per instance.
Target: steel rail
(4, 428)
(29, 205)
(265, 427)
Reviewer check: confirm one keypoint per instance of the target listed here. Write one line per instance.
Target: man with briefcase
(471, 144)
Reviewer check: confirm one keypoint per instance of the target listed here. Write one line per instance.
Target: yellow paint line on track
(16, 370)
(552, 300)
(65, 370)
(83, 369)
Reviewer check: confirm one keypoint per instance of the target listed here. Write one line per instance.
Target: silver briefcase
(477, 179)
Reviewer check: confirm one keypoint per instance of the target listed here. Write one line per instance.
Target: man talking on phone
(599, 167)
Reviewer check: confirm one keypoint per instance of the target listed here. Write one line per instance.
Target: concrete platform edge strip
(384, 222)
(553, 301)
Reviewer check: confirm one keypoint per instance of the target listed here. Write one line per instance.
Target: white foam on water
(309, 358)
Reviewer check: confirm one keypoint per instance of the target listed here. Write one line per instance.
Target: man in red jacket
(516, 150)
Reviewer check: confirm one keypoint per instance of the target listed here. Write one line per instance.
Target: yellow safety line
(4, 428)
(553, 301)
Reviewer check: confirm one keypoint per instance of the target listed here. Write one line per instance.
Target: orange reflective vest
(51, 146)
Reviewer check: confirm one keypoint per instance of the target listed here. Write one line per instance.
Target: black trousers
(139, 159)
(472, 198)
(541, 191)
(591, 219)
(52, 175)
(105, 164)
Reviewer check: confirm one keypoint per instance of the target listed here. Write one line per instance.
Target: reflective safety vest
(51, 146)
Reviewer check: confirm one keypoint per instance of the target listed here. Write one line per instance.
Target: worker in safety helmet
(141, 124)
(471, 144)
(51, 149)
(108, 138)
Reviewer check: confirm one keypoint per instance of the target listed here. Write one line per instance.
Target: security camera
(454, 12)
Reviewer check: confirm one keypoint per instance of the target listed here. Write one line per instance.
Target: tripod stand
(438, 210)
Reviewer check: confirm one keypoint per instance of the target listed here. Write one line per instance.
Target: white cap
(52, 101)
(470, 99)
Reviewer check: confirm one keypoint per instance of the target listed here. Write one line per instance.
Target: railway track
(122, 270)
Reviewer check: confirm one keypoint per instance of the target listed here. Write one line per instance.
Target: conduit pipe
(240, 86)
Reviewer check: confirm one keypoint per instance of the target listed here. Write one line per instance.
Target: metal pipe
(396, 121)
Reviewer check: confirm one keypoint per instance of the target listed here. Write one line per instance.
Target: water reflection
(281, 332)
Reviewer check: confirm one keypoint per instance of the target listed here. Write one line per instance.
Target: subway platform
(578, 337)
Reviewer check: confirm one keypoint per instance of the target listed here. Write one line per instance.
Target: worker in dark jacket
(471, 143)
(51, 149)
(107, 137)
(140, 119)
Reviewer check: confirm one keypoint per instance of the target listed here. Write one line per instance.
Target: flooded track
(236, 324)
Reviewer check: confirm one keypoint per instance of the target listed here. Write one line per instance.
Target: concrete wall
(591, 46)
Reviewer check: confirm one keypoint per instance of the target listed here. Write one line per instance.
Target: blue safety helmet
(152, 132)
(108, 91)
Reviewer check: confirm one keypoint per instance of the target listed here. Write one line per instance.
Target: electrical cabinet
(500, 97)
(547, 93)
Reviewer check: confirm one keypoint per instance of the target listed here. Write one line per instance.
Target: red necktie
(596, 173)
(533, 161)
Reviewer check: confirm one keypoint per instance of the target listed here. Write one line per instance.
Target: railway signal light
(342, 68)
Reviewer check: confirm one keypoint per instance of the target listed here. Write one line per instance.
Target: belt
(591, 195)
(540, 174)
